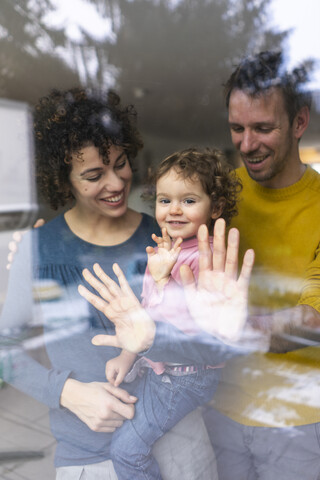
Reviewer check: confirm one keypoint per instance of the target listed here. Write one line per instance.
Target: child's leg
(132, 443)
(163, 401)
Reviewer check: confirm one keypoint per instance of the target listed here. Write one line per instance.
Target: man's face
(261, 131)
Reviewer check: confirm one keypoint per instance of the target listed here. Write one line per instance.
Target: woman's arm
(98, 404)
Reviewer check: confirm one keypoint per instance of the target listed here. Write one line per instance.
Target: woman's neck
(101, 230)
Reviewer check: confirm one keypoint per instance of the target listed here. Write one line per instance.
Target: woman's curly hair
(67, 121)
(215, 174)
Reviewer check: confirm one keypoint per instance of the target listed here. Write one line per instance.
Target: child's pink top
(170, 303)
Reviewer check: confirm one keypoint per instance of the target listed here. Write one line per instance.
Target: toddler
(193, 187)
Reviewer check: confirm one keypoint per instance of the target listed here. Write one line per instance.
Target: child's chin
(184, 237)
(174, 236)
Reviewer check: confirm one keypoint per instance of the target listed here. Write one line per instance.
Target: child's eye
(164, 200)
(94, 179)
(189, 201)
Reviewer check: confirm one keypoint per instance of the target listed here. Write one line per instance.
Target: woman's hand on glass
(135, 330)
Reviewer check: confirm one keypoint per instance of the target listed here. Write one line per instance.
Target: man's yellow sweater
(283, 227)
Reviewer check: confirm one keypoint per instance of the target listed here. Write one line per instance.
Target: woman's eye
(121, 165)
(94, 179)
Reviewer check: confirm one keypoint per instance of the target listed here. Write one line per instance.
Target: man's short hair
(259, 73)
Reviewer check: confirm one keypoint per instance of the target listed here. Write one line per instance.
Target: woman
(85, 145)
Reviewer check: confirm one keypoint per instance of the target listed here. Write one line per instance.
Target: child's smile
(182, 205)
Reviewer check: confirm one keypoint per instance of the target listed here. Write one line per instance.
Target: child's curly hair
(67, 121)
(215, 174)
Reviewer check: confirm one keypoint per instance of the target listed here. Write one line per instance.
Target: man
(264, 424)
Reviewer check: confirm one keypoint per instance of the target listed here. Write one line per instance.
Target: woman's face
(99, 188)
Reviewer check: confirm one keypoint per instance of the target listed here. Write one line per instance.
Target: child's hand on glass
(162, 260)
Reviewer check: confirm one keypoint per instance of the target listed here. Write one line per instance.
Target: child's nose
(175, 208)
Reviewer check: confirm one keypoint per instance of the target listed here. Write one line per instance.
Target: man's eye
(236, 128)
(264, 129)
(94, 179)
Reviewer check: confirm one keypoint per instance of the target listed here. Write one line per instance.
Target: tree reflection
(28, 62)
(169, 57)
(174, 59)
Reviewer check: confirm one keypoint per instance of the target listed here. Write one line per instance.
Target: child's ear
(218, 208)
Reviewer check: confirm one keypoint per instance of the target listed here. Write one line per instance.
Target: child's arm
(118, 367)
(162, 260)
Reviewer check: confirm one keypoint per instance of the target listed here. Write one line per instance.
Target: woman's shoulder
(52, 227)
(54, 240)
(141, 238)
(147, 227)
(148, 223)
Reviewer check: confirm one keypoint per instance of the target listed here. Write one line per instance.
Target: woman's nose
(113, 182)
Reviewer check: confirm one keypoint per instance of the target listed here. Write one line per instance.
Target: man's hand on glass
(218, 302)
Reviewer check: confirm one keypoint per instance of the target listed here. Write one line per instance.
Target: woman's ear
(217, 208)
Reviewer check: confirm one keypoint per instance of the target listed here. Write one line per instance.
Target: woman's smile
(99, 188)
(114, 199)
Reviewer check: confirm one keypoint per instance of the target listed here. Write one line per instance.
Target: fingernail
(233, 235)
(219, 226)
(115, 267)
(250, 255)
(202, 232)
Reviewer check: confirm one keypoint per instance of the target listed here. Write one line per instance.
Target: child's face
(182, 205)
